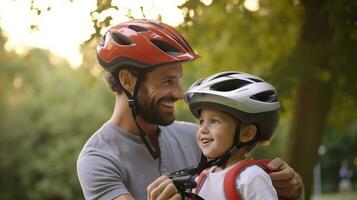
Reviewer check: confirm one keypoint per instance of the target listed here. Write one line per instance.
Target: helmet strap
(232, 150)
(132, 101)
(132, 97)
(222, 160)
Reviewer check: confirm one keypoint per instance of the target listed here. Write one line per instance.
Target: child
(236, 112)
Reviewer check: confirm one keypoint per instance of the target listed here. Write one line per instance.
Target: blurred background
(53, 95)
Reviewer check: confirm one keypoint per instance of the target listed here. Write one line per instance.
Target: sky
(64, 27)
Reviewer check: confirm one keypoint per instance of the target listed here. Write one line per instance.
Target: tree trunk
(314, 92)
(313, 103)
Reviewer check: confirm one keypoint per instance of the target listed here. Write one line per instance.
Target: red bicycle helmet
(142, 43)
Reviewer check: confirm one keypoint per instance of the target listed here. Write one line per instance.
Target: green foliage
(47, 113)
(229, 37)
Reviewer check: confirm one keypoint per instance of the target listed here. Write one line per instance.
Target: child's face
(216, 132)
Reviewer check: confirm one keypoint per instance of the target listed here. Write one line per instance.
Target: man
(142, 141)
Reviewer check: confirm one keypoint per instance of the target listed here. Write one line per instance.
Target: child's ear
(247, 132)
(127, 80)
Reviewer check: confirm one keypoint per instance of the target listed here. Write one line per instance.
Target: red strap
(230, 178)
(200, 180)
(230, 187)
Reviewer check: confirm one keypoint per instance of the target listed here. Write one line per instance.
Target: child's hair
(248, 98)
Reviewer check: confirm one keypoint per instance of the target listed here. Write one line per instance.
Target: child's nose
(203, 129)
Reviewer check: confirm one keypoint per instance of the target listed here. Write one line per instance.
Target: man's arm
(162, 188)
(286, 181)
(99, 178)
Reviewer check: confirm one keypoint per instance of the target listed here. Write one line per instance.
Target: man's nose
(178, 92)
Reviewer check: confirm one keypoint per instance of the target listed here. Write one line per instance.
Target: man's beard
(150, 111)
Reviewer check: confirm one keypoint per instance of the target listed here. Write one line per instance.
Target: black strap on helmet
(132, 101)
(220, 161)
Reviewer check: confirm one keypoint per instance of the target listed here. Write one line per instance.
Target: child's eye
(200, 121)
(214, 121)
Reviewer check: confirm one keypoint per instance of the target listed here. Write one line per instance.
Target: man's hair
(113, 81)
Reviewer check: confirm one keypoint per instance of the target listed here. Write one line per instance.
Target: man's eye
(168, 82)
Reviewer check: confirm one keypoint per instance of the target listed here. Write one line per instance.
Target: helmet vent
(224, 74)
(137, 28)
(181, 43)
(120, 39)
(266, 96)
(197, 83)
(255, 80)
(229, 85)
(165, 47)
(102, 41)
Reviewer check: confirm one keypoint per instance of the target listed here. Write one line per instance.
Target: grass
(336, 196)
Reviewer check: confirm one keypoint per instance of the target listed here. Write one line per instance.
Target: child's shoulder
(254, 173)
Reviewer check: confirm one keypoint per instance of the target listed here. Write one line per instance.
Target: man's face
(158, 94)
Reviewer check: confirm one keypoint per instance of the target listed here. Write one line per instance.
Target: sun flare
(62, 26)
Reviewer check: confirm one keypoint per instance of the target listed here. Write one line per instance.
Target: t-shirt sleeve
(100, 177)
(254, 183)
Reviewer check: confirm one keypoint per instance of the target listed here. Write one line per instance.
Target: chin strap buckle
(131, 103)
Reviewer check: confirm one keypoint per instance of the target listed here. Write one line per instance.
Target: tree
(47, 113)
(318, 57)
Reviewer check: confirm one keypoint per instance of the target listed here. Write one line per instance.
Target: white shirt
(253, 183)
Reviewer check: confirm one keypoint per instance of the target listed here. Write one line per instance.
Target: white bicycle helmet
(248, 98)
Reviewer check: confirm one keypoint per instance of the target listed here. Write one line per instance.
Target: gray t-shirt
(113, 162)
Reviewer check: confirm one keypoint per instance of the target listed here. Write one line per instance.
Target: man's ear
(247, 132)
(127, 80)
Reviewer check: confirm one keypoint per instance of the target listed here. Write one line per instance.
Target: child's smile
(216, 132)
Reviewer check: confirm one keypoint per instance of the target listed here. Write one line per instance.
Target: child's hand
(286, 181)
(162, 189)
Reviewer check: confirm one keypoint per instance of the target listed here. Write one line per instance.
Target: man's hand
(162, 189)
(286, 181)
